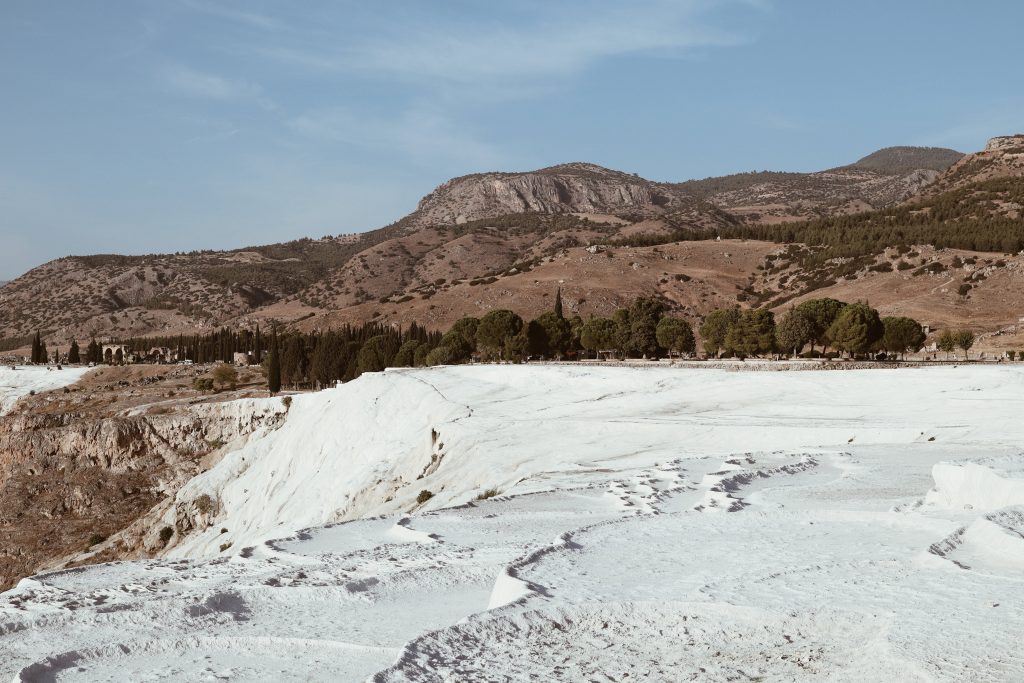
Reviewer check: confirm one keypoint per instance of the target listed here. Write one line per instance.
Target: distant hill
(883, 178)
(510, 239)
(896, 160)
(1003, 157)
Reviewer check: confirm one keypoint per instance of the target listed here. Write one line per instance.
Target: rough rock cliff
(70, 482)
(567, 188)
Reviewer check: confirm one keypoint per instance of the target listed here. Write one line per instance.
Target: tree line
(855, 329)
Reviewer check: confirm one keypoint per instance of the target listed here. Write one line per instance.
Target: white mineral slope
(18, 382)
(370, 447)
(649, 525)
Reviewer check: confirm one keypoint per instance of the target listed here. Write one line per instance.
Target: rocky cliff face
(1003, 157)
(568, 188)
(69, 481)
(1006, 143)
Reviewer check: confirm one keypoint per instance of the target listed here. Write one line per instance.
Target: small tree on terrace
(794, 330)
(947, 342)
(225, 375)
(676, 335)
(964, 341)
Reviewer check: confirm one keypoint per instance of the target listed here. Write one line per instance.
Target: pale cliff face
(1005, 142)
(572, 188)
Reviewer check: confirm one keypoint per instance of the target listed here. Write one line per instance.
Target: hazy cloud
(184, 80)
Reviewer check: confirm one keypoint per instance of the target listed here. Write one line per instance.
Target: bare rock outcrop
(567, 188)
(69, 482)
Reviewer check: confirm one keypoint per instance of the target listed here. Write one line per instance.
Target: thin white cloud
(183, 80)
(421, 133)
(552, 40)
(222, 11)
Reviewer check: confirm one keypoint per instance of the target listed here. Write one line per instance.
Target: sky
(172, 125)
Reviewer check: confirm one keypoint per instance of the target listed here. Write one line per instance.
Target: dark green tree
(74, 353)
(406, 355)
(644, 315)
(496, 328)
(822, 313)
(676, 335)
(714, 330)
(549, 335)
(901, 335)
(376, 353)
(794, 330)
(461, 339)
(599, 334)
(558, 303)
(856, 330)
(274, 367)
(753, 334)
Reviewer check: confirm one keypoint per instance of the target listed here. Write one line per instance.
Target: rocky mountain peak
(1005, 142)
(575, 187)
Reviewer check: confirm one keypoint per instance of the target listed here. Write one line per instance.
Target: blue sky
(172, 125)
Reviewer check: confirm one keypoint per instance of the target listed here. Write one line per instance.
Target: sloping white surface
(659, 523)
(18, 382)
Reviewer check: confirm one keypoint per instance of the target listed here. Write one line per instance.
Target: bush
(166, 534)
(489, 493)
(224, 546)
(287, 402)
(424, 496)
(202, 384)
(204, 504)
(95, 539)
(1011, 354)
(225, 375)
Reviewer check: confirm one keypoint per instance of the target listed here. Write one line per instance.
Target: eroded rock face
(1005, 142)
(67, 480)
(568, 188)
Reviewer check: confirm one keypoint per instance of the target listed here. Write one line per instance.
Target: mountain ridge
(516, 223)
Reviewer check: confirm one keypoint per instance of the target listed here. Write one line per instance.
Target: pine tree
(257, 351)
(274, 367)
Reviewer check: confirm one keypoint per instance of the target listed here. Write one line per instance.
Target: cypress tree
(558, 303)
(274, 367)
(74, 356)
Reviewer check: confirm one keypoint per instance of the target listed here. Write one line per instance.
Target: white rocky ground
(17, 382)
(649, 525)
